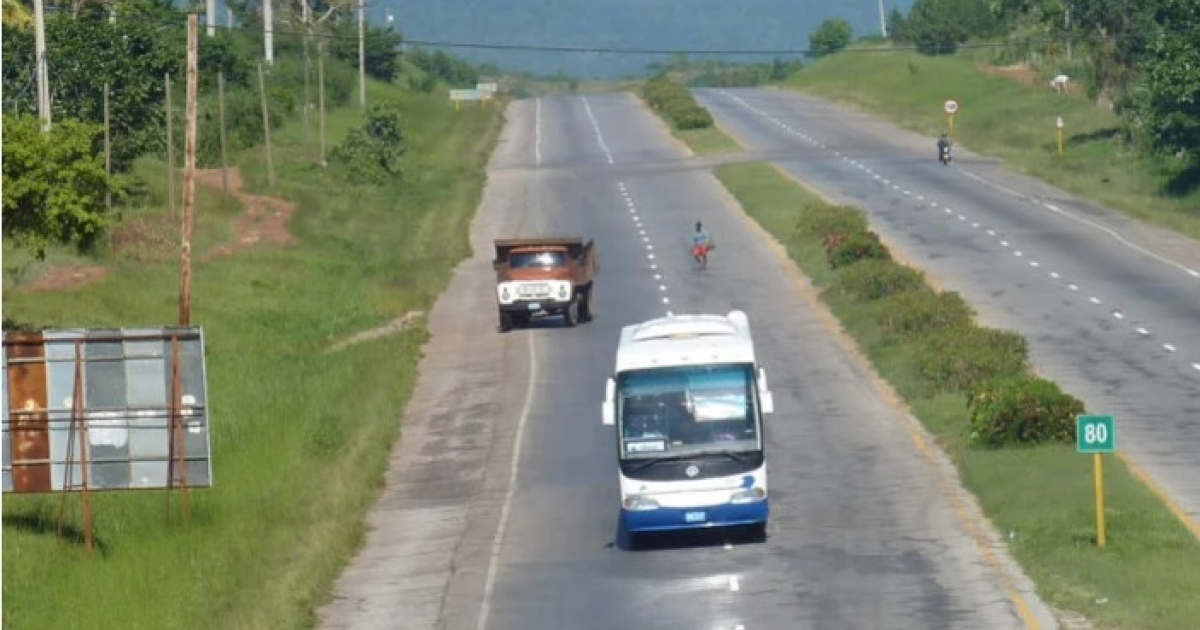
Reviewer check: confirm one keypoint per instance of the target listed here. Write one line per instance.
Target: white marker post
(1059, 124)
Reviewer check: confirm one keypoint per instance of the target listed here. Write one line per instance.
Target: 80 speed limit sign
(950, 106)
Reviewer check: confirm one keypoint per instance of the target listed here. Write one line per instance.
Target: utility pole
(882, 20)
(210, 18)
(268, 33)
(189, 172)
(362, 55)
(43, 79)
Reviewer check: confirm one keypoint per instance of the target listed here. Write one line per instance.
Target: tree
(1168, 101)
(832, 36)
(381, 49)
(54, 184)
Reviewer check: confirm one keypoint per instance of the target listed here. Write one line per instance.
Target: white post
(210, 18)
(362, 54)
(268, 32)
(882, 19)
(43, 78)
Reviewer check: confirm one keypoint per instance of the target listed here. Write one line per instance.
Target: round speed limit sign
(951, 106)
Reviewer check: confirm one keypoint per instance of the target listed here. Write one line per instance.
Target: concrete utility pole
(43, 78)
(882, 19)
(362, 54)
(210, 18)
(268, 32)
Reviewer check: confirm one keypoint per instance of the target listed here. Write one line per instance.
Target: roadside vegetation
(1129, 101)
(1009, 432)
(300, 431)
(687, 119)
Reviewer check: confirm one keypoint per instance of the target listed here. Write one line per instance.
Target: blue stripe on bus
(727, 514)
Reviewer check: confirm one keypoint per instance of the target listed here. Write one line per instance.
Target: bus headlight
(637, 502)
(748, 495)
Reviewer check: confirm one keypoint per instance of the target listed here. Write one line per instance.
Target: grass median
(1040, 497)
(300, 434)
(1012, 117)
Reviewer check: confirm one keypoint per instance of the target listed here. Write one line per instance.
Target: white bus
(688, 399)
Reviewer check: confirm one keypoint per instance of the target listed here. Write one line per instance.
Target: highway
(500, 506)
(1111, 307)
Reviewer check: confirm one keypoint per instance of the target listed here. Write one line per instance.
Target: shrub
(676, 102)
(847, 250)
(875, 279)
(819, 221)
(915, 313)
(1021, 410)
(965, 356)
(371, 154)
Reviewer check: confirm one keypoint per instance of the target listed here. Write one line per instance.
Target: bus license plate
(535, 306)
(693, 517)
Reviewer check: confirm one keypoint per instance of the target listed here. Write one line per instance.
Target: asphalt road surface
(500, 510)
(1111, 307)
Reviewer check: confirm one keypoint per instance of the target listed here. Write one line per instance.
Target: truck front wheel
(571, 313)
(506, 322)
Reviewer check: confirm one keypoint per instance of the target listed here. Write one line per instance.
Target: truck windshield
(668, 412)
(534, 260)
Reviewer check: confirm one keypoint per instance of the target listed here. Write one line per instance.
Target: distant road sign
(950, 106)
(487, 88)
(465, 95)
(1059, 122)
(1095, 434)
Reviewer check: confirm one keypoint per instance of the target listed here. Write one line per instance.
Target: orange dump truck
(544, 276)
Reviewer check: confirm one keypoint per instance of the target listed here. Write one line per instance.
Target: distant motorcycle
(944, 152)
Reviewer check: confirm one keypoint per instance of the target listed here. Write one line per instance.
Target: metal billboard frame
(130, 390)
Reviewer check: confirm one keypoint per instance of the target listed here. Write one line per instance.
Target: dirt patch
(264, 221)
(394, 327)
(68, 278)
(1025, 75)
(147, 238)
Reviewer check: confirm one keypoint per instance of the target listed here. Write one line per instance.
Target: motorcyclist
(943, 146)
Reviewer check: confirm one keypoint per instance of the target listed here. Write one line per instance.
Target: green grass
(707, 141)
(1148, 573)
(300, 436)
(1003, 118)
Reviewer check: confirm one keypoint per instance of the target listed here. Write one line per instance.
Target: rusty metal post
(77, 414)
(78, 427)
(189, 174)
(176, 447)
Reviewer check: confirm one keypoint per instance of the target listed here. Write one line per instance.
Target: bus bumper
(671, 518)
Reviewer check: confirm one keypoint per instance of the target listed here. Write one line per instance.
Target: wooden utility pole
(221, 114)
(189, 172)
(262, 95)
(321, 96)
(107, 149)
(170, 150)
(306, 17)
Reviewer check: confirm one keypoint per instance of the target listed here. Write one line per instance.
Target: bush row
(1005, 402)
(676, 102)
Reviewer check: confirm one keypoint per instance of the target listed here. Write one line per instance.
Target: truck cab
(544, 277)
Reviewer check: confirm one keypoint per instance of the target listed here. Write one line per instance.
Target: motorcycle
(944, 154)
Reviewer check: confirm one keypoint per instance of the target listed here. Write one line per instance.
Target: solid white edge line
(514, 469)
(537, 132)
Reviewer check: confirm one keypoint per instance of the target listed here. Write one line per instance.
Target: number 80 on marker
(1095, 434)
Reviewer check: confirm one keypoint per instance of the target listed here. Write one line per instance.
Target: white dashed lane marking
(975, 225)
(662, 287)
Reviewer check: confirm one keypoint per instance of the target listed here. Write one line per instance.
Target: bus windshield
(687, 410)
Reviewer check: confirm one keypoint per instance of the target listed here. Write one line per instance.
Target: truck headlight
(638, 502)
(564, 291)
(505, 294)
(748, 495)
